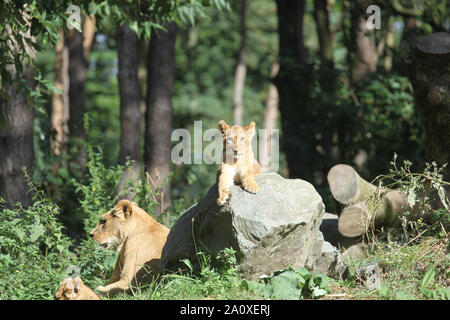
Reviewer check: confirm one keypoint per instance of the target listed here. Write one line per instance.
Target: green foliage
(215, 277)
(290, 284)
(96, 195)
(34, 251)
(429, 212)
(95, 263)
(429, 289)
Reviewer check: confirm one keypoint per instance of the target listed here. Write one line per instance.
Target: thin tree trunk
(241, 70)
(16, 130)
(326, 41)
(60, 108)
(389, 49)
(270, 121)
(294, 86)
(363, 53)
(130, 97)
(79, 45)
(160, 67)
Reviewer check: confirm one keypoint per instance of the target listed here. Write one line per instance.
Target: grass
(403, 268)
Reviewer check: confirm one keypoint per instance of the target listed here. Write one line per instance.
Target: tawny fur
(75, 289)
(140, 240)
(238, 164)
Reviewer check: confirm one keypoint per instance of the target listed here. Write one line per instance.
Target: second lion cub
(238, 164)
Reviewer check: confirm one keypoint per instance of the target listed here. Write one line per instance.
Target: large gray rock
(270, 230)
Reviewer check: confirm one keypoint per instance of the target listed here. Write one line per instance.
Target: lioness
(139, 238)
(238, 164)
(75, 289)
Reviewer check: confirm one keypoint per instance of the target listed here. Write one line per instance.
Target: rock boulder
(271, 230)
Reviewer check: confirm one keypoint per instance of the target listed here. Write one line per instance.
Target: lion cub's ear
(78, 283)
(123, 208)
(223, 126)
(250, 129)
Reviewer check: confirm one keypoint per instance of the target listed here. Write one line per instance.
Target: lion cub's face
(237, 142)
(111, 228)
(74, 289)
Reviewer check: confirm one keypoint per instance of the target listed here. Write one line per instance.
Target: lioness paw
(102, 289)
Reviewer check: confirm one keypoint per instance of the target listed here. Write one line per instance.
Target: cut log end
(435, 43)
(343, 183)
(352, 222)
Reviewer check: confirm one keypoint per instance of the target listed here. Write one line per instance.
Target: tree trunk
(294, 87)
(60, 107)
(363, 54)
(327, 76)
(270, 121)
(160, 68)
(130, 98)
(16, 129)
(429, 72)
(324, 33)
(79, 45)
(241, 70)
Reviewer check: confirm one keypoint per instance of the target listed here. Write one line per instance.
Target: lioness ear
(250, 129)
(124, 208)
(223, 126)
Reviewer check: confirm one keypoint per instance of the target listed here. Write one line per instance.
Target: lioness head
(237, 142)
(74, 289)
(111, 228)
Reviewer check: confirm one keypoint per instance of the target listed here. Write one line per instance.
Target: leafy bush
(429, 213)
(34, 252)
(96, 195)
(290, 284)
(94, 263)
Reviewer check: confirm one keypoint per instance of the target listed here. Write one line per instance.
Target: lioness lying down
(139, 238)
(75, 289)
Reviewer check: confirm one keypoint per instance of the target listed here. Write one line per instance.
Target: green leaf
(318, 292)
(428, 278)
(285, 286)
(303, 272)
(188, 263)
(37, 230)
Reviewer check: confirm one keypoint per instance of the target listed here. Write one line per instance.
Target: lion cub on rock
(75, 289)
(238, 164)
(139, 238)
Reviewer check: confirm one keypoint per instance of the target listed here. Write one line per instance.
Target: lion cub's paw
(222, 199)
(251, 186)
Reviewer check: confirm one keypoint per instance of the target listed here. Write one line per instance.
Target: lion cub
(139, 238)
(238, 164)
(75, 289)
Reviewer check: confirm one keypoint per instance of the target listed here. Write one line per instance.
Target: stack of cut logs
(359, 208)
